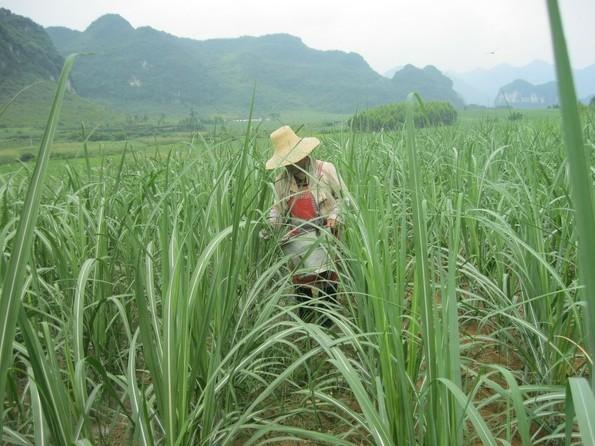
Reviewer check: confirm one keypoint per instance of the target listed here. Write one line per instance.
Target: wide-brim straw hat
(288, 148)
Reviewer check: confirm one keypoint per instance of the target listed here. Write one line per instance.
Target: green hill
(144, 67)
(26, 53)
(523, 94)
(28, 57)
(32, 106)
(429, 82)
(143, 71)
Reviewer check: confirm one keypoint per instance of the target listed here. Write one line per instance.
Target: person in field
(307, 208)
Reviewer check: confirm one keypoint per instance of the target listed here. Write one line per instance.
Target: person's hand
(263, 234)
(331, 223)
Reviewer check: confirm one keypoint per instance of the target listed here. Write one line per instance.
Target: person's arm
(277, 210)
(337, 188)
(275, 219)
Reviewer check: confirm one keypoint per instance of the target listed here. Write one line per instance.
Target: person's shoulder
(327, 168)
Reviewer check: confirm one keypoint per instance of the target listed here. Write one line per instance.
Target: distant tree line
(392, 116)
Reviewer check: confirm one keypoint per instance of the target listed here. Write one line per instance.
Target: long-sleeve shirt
(326, 187)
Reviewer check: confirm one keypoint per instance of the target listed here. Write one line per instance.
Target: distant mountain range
(139, 69)
(523, 94)
(481, 86)
(390, 73)
(142, 69)
(143, 65)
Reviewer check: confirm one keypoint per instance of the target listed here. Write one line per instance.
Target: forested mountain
(481, 86)
(523, 94)
(26, 52)
(146, 66)
(29, 59)
(142, 69)
(429, 82)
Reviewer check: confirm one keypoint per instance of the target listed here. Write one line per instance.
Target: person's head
(299, 166)
(290, 150)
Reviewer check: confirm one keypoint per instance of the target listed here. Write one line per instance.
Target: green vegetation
(26, 53)
(393, 116)
(139, 304)
(14, 283)
(522, 94)
(30, 109)
(580, 398)
(497, 324)
(147, 76)
(140, 69)
(581, 181)
(471, 115)
(96, 149)
(428, 82)
(30, 62)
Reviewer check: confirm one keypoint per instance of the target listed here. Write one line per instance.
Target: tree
(392, 116)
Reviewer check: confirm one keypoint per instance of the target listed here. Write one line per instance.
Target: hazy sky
(452, 34)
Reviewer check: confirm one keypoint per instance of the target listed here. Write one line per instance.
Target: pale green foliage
(154, 288)
(152, 313)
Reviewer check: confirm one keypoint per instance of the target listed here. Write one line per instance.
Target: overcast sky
(456, 35)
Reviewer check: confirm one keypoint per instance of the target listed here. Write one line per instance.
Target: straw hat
(288, 148)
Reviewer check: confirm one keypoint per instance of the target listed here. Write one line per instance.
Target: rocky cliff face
(523, 94)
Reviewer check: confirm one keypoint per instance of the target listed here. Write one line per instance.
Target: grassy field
(140, 303)
(162, 318)
(30, 108)
(21, 143)
(96, 150)
(470, 116)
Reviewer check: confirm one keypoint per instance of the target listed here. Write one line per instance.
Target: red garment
(303, 206)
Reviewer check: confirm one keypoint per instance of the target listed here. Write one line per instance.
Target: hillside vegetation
(146, 297)
(26, 53)
(523, 94)
(144, 71)
(392, 116)
(142, 66)
(32, 105)
(29, 61)
(156, 253)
